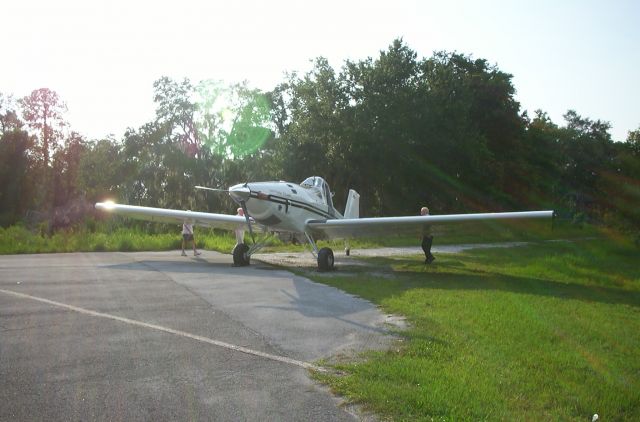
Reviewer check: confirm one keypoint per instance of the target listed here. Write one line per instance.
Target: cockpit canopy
(321, 186)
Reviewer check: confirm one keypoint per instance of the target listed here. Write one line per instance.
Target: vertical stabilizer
(352, 210)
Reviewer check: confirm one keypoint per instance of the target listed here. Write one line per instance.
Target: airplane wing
(380, 226)
(164, 215)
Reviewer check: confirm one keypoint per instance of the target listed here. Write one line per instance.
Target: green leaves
(391, 126)
(402, 130)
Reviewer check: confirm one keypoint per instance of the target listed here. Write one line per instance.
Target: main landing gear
(325, 259)
(324, 255)
(242, 254)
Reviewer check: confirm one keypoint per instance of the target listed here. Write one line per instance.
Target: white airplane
(303, 210)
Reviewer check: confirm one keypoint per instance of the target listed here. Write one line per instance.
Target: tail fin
(352, 210)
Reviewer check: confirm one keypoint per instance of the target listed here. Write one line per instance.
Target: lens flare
(232, 121)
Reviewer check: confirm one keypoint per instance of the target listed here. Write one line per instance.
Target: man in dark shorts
(187, 236)
(427, 239)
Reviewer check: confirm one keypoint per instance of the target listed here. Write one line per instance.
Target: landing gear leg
(324, 255)
(242, 252)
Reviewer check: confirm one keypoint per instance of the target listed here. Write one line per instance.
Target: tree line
(403, 131)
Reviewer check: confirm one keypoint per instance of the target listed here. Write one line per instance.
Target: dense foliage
(444, 131)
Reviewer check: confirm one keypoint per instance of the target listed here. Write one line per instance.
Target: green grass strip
(548, 331)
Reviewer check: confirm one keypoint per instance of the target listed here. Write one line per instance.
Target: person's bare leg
(195, 252)
(183, 245)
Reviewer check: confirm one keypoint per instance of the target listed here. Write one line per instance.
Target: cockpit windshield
(313, 182)
(321, 186)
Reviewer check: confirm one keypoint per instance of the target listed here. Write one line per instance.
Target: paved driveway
(157, 336)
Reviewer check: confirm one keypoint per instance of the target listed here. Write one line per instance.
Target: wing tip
(105, 206)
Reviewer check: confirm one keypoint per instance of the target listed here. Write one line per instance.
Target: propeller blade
(212, 189)
(243, 204)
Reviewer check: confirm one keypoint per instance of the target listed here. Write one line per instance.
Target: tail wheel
(240, 257)
(325, 259)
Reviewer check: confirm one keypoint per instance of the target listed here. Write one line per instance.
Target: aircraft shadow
(469, 280)
(478, 280)
(311, 301)
(187, 266)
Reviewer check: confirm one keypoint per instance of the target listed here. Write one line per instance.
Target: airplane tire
(240, 258)
(325, 259)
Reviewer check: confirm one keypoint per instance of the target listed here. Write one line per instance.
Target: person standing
(187, 236)
(240, 231)
(427, 239)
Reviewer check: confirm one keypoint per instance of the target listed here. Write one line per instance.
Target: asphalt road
(156, 336)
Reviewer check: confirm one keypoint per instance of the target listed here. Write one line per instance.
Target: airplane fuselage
(284, 206)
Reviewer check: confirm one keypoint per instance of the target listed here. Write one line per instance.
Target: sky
(102, 57)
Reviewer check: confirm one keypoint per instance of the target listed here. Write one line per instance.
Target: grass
(542, 332)
(112, 236)
(19, 240)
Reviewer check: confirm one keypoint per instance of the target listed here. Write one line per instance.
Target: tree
(101, 170)
(542, 162)
(311, 140)
(9, 120)
(66, 168)
(473, 132)
(621, 185)
(16, 184)
(403, 131)
(587, 150)
(386, 113)
(633, 142)
(176, 111)
(44, 113)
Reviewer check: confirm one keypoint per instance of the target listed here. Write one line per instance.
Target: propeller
(240, 194)
(212, 189)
